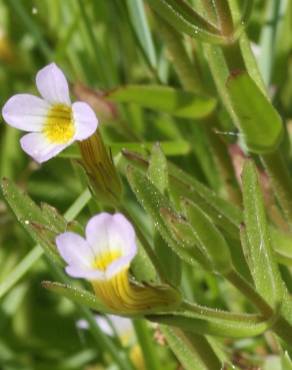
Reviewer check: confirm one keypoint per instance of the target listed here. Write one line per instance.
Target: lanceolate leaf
(184, 19)
(241, 326)
(80, 296)
(223, 213)
(192, 352)
(208, 236)
(158, 174)
(157, 171)
(282, 242)
(153, 201)
(43, 224)
(173, 148)
(177, 102)
(142, 30)
(260, 255)
(256, 114)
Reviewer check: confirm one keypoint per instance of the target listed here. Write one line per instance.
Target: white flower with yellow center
(53, 122)
(104, 259)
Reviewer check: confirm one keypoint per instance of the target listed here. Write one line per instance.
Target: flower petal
(75, 250)
(106, 232)
(85, 120)
(120, 264)
(26, 112)
(123, 326)
(88, 274)
(39, 148)
(52, 85)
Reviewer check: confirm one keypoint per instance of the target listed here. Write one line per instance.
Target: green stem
(245, 288)
(273, 162)
(233, 57)
(191, 80)
(211, 313)
(268, 38)
(282, 326)
(20, 270)
(147, 345)
(188, 75)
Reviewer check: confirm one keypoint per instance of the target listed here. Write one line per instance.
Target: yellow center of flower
(59, 126)
(105, 259)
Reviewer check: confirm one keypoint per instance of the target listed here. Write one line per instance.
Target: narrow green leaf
(192, 352)
(141, 27)
(169, 260)
(17, 273)
(42, 225)
(142, 268)
(224, 214)
(184, 19)
(255, 113)
(158, 174)
(258, 248)
(171, 148)
(157, 171)
(55, 219)
(209, 237)
(241, 327)
(166, 99)
(153, 201)
(80, 296)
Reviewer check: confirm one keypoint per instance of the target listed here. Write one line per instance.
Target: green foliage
(179, 103)
(258, 248)
(210, 239)
(255, 113)
(182, 101)
(42, 224)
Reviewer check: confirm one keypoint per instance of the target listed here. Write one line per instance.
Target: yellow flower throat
(105, 259)
(59, 126)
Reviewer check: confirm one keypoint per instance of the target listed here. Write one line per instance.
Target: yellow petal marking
(119, 294)
(59, 126)
(105, 259)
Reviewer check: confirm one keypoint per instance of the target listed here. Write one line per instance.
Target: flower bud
(99, 166)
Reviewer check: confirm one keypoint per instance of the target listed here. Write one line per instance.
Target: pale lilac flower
(107, 250)
(122, 326)
(104, 259)
(52, 121)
